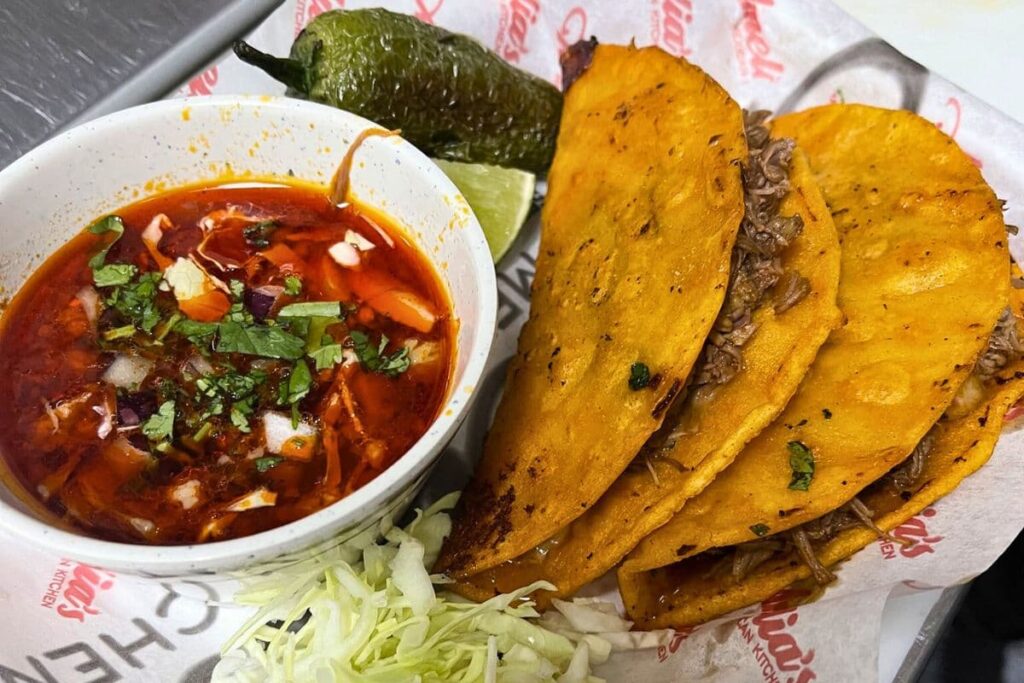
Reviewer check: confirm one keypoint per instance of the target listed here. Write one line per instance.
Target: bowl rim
(232, 554)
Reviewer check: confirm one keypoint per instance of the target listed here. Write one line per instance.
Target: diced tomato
(388, 297)
(282, 256)
(209, 307)
(365, 315)
(299, 448)
(332, 280)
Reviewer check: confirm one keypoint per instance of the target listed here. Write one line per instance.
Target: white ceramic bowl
(54, 191)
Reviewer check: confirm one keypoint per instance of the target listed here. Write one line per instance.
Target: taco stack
(779, 308)
(645, 198)
(928, 333)
(754, 346)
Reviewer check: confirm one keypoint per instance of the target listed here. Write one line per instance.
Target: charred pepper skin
(449, 95)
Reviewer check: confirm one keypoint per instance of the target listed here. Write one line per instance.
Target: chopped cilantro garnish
(238, 313)
(237, 288)
(639, 376)
(160, 425)
(204, 431)
(305, 309)
(373, 357)
(240, 413)
(104, 225)
(297, 326)
(136, 301)
(231, 384)
(258, 234)
(300, 381)
(119, 332)
(760, 529)
(214, 392)
(316, 332)
(198, 333)
(258, 340)
(167, 389)
(164, 328)
(267, 462)
(292, 285)
(113, 274)
(801, 461)
(327, 356)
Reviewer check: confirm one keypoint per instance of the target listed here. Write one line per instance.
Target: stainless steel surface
(64, 61)
(928, 637)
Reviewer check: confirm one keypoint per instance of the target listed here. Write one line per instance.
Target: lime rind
(500, 198)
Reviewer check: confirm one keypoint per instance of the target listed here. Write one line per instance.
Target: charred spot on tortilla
(575, 60)
(489, 534)
(667, 399)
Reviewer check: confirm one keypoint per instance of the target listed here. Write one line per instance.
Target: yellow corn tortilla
(688, 593)
(715, 427)
(644, 202)
(925, 272)
(925, 275)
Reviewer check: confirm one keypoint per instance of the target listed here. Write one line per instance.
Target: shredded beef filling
(746, 557)
(904, 476)
(757, 255)
(756, 269)
(1004, 347)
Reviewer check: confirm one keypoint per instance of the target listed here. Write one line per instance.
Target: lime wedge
(500, 198)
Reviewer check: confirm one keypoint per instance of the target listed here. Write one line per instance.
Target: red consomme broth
(155, 395)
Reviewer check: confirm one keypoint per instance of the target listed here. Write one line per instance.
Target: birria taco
(780, 307)
(644, 202)
(860, 447)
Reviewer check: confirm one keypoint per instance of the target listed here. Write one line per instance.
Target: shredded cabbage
(369, 611)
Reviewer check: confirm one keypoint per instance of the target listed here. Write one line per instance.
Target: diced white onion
(200, 364)
(344, 254)
(187, 280)
(187, 494)
(358, 241)
(278, 430)
(127, 371)
(260, 498)
(90, 300)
